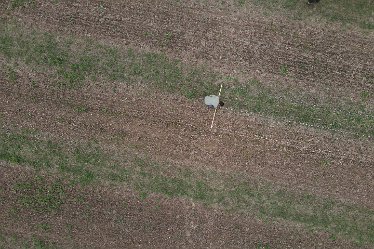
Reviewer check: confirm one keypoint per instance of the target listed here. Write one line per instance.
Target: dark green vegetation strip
(86, 164)
(71, 64)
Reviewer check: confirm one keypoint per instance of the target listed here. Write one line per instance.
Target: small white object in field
(211, 101)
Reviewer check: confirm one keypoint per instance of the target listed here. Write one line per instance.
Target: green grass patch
(257, 98)
(358, 13)
(72, 64)
(262, 245)
(39, 243)
(11, 74)
(81, 109)
(21, 3)
(284, 70)
(15, 241)
(39, 195)
(76, 163)
(45, 227)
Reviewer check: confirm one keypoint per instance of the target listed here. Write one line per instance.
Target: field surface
(105, 141)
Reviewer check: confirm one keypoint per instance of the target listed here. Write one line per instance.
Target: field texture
(105, 141)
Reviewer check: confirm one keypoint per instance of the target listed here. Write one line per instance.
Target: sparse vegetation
(73, 69)
(239, 194)
(16, 241)
(44, 226)
(46, 155)
(233, 192)
(38, 195)
(21, 3)
(284, 70)
(346, 12)
(88, 160)
(262, 245)
(81, 109)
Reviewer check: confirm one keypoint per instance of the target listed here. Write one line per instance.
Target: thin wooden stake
(215, 110)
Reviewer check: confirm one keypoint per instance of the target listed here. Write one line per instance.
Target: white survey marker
(212, 100)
